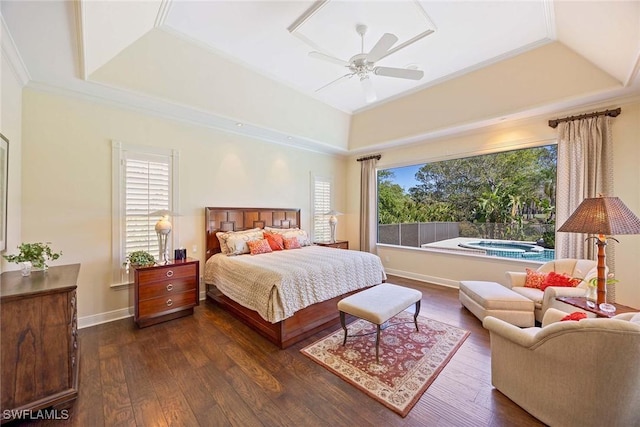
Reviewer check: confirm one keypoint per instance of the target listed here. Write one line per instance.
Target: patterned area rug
(409, 361)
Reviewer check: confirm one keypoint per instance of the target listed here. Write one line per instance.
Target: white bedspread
(278, 284)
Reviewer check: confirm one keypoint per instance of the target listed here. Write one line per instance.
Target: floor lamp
(604, 217)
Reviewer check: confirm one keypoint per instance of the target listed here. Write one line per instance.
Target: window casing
(144, 181)
(322, 202)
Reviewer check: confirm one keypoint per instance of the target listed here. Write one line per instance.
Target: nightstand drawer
(166, 288)
(167, 272)
(166, 304)
(341, 245)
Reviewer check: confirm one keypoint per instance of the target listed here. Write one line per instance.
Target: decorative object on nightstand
(165, 292)
(333, 221)
(604, 217)
(339, 244)
(163, 229)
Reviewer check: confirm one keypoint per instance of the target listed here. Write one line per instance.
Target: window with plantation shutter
(322, 188)
(144, 182)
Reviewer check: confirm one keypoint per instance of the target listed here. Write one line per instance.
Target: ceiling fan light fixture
(367, 87)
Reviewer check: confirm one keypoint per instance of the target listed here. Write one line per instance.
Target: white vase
(25, 268)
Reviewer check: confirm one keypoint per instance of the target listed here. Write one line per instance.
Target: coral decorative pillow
(276, 242)
(576, 315)
(534, 279)
(561, 280)
(258, 247)
(291, 243)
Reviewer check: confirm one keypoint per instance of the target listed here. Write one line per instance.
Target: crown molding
(11, 53)
(163, 12)
(111, 96)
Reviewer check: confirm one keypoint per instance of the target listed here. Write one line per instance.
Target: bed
(288, 295)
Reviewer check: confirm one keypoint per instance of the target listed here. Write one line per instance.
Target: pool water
(510, 249)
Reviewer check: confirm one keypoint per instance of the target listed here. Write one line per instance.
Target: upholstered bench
(379, 304)
(492, 299)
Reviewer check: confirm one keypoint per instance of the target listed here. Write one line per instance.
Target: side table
(581, 302)
(339, 244)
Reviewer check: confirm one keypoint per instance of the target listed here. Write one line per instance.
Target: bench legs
(344, 326)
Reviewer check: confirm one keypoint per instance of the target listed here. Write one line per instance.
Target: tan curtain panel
(368, 205)
(585, 169)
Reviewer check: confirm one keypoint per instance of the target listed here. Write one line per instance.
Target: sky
(405, 176)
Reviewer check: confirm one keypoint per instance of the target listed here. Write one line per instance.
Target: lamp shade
(608, 216)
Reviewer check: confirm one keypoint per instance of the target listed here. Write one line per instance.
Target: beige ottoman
(492, 299)
(379, 304)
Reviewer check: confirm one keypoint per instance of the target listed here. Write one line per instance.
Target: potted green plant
(140, 259)
(33, 255)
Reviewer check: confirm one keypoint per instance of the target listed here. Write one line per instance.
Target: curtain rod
(610, 113)
(375, 156)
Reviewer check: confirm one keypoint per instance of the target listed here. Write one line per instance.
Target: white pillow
(635, 318)
(223, 237)
(288, 233)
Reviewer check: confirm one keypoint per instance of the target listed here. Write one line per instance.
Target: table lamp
(163, 229)
(333, 221)
(604, 217)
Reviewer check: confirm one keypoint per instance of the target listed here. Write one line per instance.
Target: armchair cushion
(560, 280)
(576, 315)
(534, 279)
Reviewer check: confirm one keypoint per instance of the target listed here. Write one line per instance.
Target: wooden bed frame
(303, 323)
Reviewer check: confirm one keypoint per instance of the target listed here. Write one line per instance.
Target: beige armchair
(579, 268)
(574, 373)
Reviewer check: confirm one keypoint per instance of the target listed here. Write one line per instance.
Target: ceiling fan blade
(329, 58)
(380, 49)
(367, 87)
(403, 73)
(335, 81)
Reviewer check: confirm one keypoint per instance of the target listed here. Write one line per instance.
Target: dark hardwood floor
(209, 369)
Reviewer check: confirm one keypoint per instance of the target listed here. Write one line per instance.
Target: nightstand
(166, 292)
(339, 244)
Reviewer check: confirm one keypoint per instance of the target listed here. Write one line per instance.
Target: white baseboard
(109, 316)
(424, 278)
(112, 316)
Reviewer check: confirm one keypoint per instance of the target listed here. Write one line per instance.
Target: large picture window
(500, 204)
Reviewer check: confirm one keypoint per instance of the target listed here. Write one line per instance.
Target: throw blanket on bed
(278, 284)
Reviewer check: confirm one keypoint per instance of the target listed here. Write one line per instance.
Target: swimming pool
(511, 249)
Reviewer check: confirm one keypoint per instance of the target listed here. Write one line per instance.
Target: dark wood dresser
(40, 355)
(165, 292)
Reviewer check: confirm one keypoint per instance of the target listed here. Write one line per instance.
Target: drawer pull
(169, 302)
(169, 287)
(169, 273)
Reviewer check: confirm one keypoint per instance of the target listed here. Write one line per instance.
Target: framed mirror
(4, 174)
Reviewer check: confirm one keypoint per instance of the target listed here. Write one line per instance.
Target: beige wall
(66, 189)
(448, 269)
(11, 128)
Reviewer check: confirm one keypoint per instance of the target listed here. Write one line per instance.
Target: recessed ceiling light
(289, 138)
(239, 124)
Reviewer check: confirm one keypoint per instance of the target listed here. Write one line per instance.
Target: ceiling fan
(363, 65)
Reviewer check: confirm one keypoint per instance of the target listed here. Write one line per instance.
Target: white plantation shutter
(147, 189)
(144, 181)
(321, 203)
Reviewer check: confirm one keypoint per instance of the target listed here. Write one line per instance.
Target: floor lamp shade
(603, 217)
